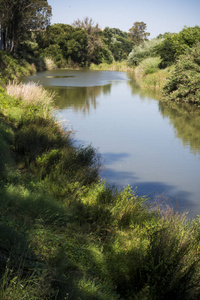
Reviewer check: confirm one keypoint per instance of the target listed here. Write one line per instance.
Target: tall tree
(95, 44)
(17, 17)
(138, 33)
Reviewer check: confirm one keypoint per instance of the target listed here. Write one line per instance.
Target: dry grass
(32, 94)
(50, 65)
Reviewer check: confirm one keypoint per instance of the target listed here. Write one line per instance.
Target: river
(150, 145)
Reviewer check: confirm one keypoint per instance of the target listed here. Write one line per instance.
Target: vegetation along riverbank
(65, 234)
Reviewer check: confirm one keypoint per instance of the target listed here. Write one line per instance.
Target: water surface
(143, 142)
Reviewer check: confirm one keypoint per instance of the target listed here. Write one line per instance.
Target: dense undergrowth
(65, 234)
(15, 66)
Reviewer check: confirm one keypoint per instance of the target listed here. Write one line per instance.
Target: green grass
(149, 76)
(115, 66)
(65, 234)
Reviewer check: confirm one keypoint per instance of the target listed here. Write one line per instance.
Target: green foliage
(177, 44)
(184, 82)
(66, 235)
(18, 17)
(13, 67)
(144, 50)
(63, 44)
(138, 33)
(118, 43)
(148, 66)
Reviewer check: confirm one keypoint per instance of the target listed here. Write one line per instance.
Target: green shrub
(184, 82)
(144, 50)
(12, 67)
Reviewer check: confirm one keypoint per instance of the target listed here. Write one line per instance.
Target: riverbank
(67, 234)
(13, 67)
(147, 74)
(115, 66)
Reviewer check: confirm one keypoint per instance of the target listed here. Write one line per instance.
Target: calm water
(144, 143)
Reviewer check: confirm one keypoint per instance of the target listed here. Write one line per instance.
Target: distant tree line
(25, 29)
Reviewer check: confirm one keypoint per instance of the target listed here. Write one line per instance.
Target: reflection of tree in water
(143, 93)
(80, 98)
(186, 120)
(183, 116)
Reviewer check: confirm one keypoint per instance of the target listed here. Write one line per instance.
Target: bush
(184, 82)
(13, 67)
(144, 50)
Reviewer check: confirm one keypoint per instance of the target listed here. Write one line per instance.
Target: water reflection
(144, 93)
(143, 142)
(186, 121)
(80, 98)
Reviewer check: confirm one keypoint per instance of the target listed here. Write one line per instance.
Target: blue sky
(160, 15)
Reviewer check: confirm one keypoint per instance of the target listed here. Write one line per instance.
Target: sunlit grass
(32, 94)
(115, 66)
(149, 76)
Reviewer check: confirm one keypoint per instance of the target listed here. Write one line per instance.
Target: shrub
(184, 82)
(144, 50)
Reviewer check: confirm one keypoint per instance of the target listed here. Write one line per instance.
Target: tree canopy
(118, 42)
(138, 32)
(177, 44)
(17, 17)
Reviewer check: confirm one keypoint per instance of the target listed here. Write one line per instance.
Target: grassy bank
(115, 66)
(149, 76)
(67, 235)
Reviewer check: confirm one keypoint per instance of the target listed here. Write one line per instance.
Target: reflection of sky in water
(142, 143)
(63, 78)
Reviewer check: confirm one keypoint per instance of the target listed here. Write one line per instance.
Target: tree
(88, 25)
(118, 43)
(177, 44)
(63, 43)
(96, 50)
(18, 17)
(137, 33)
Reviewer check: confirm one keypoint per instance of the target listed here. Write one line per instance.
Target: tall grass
(115, 66)
(32, 94)
(148, 75)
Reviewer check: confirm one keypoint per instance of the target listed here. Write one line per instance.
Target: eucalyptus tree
(18, 17)
(137, 32)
